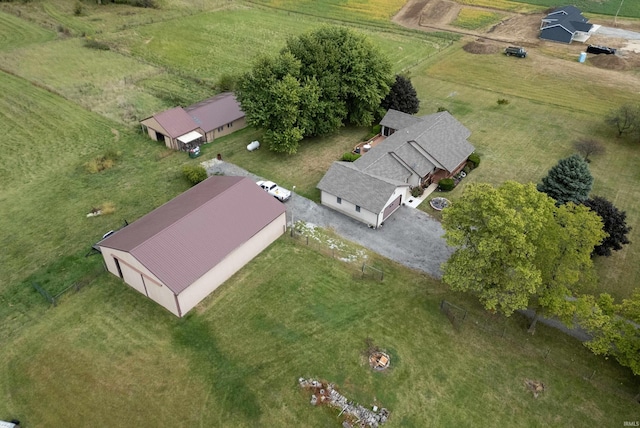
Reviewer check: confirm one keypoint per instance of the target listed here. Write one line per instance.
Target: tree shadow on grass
(226, 376)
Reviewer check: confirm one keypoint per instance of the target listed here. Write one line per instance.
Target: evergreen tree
(568, 181)
(614, 224)
(402, 97)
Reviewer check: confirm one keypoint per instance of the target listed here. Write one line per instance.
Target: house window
(339, 200)
(229, 125)
(357, 208)
(221, 129)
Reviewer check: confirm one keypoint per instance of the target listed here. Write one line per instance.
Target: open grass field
(211, 45)
(547, 112)
(15, 33)
(628, 8)
(349, 10)
(108, 357)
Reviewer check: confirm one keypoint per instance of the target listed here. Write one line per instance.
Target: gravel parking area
(409, 236)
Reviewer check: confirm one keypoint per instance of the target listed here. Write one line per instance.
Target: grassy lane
(15, 33)
(235, 360)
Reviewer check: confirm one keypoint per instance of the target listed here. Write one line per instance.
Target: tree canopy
(614, 225)
(319, 81)
(402, 96)
(615, 327)
(568, 181)
(516, 249)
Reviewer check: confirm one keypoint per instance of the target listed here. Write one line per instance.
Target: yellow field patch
(502, 5)
(473, 19)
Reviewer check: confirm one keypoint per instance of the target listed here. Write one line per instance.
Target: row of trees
(320, 81)
(521, 246)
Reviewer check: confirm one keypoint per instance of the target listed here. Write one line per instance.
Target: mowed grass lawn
(107, 356)
(548, 110)
(45, 189)
(15, 32)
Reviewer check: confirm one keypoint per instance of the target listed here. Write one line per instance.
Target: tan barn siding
(233, 262)
(139, 278)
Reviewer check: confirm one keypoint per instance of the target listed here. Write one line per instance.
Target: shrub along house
(185, 128)
(182, 251)
(417, 151)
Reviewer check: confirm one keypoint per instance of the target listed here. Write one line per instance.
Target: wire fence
(337, 250)
(75, 287)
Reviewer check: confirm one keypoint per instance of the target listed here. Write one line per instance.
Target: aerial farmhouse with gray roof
(415, 151)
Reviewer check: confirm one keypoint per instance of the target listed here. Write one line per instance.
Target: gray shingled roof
(343, 179)
(189, 235)
(437, 140)
(439, 135)
(395, 119)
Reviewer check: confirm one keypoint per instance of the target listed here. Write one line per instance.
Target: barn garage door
(391, 207)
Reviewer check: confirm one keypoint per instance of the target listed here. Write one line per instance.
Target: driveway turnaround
(409, 236)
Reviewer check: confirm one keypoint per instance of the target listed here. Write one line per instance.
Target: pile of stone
(354, 414)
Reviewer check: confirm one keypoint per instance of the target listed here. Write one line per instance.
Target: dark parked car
(515, 51)
(600, 50)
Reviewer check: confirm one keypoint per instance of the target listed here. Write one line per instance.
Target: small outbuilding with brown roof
(182, 251)
(185, 128)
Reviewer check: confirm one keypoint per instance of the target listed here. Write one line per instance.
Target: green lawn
(120, 358)
(522, 140)
(15, 33)
(106, 356)
(45, 190)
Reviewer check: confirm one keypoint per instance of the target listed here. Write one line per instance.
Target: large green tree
(615, 327)
(568, 181)
(515, 249)
(319, 81)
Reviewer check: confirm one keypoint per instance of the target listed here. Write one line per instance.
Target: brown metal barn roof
(215, 112)
(176, 121)
(189, 235)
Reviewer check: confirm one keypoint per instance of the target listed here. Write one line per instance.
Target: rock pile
(355, 414)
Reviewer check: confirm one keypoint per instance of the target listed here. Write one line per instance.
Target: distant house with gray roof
(417, 151)
(564, 25)
(184, 128)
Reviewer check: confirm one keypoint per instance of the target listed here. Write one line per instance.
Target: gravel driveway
(409, 236)
(618, 32)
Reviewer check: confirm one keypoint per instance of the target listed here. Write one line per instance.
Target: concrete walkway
(409, 236)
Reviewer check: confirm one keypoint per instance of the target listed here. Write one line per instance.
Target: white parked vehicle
(274, 190)
(254, 145)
